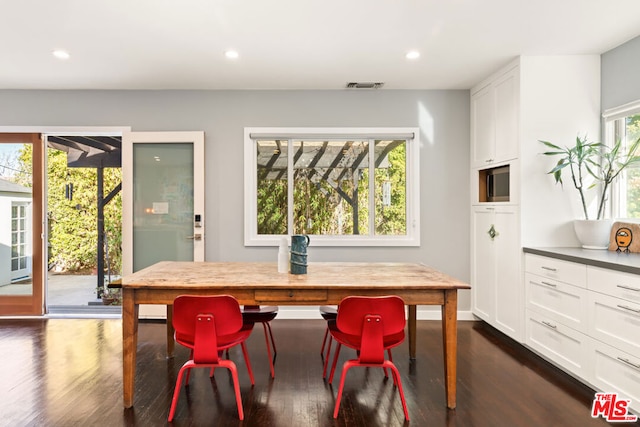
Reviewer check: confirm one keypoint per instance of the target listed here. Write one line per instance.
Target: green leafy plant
(601, 162)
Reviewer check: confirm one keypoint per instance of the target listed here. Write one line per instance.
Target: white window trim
(612, 118)
(412, 238)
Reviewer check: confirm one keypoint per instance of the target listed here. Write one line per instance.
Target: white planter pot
(593, 233)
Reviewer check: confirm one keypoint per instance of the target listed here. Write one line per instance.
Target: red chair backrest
(224, 309)
(353, 310)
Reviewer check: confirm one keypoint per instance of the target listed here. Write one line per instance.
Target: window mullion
(290, 201)
(372, 188)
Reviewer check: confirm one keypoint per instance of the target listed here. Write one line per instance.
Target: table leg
(129, 344)
(170, 332)
(412, 332)
(450, 338)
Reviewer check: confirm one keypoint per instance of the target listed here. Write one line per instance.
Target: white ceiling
(293, 44)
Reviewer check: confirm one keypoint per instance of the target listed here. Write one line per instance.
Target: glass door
(163, 200)
(21, 201)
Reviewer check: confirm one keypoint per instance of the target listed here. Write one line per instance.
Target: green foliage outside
(73, 234)
(392, 219)
(320, 209)
(633, 174)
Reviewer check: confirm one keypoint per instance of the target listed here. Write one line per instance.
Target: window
(345, 187)
(19, 243)
(624, 123)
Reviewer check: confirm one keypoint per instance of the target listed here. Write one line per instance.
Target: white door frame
(130, 138)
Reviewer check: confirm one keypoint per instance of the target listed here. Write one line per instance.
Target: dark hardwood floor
(68, 372)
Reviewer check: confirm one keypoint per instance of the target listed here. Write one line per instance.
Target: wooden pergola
(327, 161)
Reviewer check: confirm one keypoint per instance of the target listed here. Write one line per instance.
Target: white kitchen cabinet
(511, 110)
(494, 119)
(495, 266)
(586, 319)
(556, 299)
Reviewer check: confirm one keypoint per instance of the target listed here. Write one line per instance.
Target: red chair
(252, 314)
(208, 325)
(369, 325)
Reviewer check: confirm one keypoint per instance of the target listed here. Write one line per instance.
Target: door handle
(492, 232)
(197, 236)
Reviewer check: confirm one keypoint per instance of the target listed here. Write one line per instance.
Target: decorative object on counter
(602, 164)
(625, 237)
(299, 244)
(283, 256)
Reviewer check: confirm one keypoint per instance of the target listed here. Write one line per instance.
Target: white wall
(560, 100)
(442, 116)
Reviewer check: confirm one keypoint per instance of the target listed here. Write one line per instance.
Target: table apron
(286, 296)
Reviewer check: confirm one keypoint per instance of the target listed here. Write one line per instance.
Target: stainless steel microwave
(498, 184)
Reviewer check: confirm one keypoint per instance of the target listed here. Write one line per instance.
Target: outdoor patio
(68, 294)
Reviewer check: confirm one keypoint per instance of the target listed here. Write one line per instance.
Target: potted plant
(603, 164)
(112, 296)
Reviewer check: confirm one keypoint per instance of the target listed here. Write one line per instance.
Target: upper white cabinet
(494, 119)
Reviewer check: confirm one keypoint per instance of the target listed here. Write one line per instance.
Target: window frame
(614, 124)
(411, 238)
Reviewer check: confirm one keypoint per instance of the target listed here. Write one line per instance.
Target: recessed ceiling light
(61, 54)
(413, 54)
(231, 54)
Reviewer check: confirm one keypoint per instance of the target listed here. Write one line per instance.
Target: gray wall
(442, 116)
(620, 74)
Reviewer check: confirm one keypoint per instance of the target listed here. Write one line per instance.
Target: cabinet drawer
(614, 283)
(616, 371)
(563, 345)
(559, 301)
(564, 271)
(615, 321)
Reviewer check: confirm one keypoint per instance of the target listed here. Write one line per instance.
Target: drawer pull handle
(624, 307)
(553, 285)
(549, 268)
(623, 360)
(549, 325)
(629, 288)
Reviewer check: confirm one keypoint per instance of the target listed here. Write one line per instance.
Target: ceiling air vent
(364, 85)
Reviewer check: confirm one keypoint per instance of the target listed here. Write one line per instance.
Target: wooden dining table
(256, 283)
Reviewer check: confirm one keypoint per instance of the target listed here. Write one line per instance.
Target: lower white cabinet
(586, 320)
(496, 284)
(559, 343)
